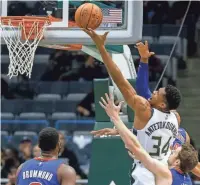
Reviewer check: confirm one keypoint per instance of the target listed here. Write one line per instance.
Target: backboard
(122, 18)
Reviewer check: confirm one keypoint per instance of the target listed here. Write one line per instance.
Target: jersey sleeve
(142, 81)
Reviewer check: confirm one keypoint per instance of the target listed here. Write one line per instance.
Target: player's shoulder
(66, 173)
(178, 117)
(66, 170)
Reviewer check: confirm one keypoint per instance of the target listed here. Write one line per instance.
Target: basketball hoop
(66, 47)
(22, 35)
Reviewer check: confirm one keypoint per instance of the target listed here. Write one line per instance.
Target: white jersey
(159, 134)
(156, 138)
(141, 176)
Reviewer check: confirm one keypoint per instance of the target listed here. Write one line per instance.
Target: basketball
(88, 15)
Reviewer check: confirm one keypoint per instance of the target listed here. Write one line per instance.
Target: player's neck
(49, 155)
(162, 109)
(179, 170)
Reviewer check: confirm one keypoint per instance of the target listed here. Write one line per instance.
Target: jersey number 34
(158, 148)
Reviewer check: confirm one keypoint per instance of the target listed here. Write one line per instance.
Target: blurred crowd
(12, 157)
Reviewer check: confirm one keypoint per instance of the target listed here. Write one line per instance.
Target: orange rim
(16, 20)
(26, 24)
(28, 21)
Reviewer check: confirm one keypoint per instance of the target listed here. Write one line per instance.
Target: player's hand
(99, 40)
(143, 50)
(109, 106)
(105, 131)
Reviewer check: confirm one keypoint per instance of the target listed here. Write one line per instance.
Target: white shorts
(141, 176)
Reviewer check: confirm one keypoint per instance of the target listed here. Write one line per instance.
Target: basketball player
(155, 125)
(46, 169)
(181, 161)
(181, 139)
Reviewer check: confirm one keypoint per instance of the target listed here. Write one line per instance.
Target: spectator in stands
(5, 90)
(157, 12)
(155, 68)
(36, 151)
(23, 89)
(71, 156)
(59, 62)
(91, 69)
(12, 176)
(9, 160)
(175, 17)
(25, 149)
(85, 107)
(88, 71)
(18, 9)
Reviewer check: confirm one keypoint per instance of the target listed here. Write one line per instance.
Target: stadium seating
(32, 116)
(27, 125)
(7, 115)
(74, 125)
(151, 30)
(80, 87)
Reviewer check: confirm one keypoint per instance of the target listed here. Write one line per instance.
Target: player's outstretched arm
(66, 175)
(125, 87)
(137, 103)
(105, 131)
(196, 170)
(142, 80)
(130, 140)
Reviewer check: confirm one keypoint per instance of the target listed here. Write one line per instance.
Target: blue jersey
(39, 172)
(180, 139)
(180, 179)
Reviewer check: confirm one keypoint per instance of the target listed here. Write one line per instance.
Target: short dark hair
(188, 158)
(173, 97)
(48, 139)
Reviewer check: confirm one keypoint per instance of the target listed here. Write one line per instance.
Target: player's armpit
(196, 170)
(66, 175)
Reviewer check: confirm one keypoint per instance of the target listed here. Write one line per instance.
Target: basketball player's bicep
(143, 108)
(196, 170)
(187, 138)
(67, 175)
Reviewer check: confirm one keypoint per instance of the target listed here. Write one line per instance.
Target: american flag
(112, 15)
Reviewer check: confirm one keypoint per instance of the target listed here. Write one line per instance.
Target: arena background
(65, 87)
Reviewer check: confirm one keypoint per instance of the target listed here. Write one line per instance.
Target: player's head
(49, 141)
(166, 98)
(185, 158)
(62, 139)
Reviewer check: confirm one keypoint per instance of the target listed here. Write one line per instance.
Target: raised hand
(109, 106)
(105, 131)
(99, 40)
(143, 50)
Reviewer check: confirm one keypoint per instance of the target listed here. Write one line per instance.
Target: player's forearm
(196, 170)
(111, 67)
(124, 86)
(127, 136)
(142, 80)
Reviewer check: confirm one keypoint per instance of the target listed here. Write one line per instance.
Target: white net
(21, 52)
